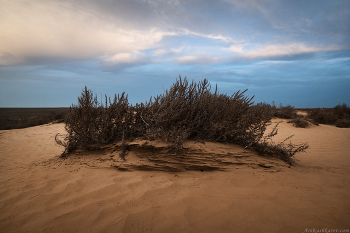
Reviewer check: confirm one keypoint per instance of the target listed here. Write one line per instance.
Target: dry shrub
(300, 122)
(184, 111)
(343, 123)
(267, 111)
(285, 112)
(323, 116)
(91, 122)
(124, 147)
(283, 151)
(193, 111)
(339, 115)
(342, 111)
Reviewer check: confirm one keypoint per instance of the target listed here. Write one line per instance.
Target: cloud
(316, 19)
(259, 5)
(36, 31)
(278, 50)
(196, 60)
(55, 29)
(124, 58)
(236, 48)
(185, 31)
(243, 52)
(166, 51)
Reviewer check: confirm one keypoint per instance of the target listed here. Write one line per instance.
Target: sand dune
(210, 187)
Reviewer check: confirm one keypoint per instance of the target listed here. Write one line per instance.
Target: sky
(290, 52)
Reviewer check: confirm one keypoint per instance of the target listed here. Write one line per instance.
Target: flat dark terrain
(18, 113)
(14, 118)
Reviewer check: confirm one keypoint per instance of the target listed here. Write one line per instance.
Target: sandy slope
(216, 188)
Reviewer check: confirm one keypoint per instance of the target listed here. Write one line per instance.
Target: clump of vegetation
(193, 111)
(300, 122)
(323, 116)
(184, 111)
(90, 122)
(284, 112)
(18, 118)
(284, 151)
(267, 111)
(338, 116)
(343, 123)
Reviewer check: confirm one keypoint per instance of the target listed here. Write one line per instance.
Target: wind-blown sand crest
(210, 187)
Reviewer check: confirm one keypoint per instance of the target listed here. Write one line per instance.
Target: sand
(213, 188)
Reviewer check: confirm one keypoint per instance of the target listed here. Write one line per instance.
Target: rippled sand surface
(211, 187)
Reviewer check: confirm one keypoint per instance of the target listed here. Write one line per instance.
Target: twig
(143, 119)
